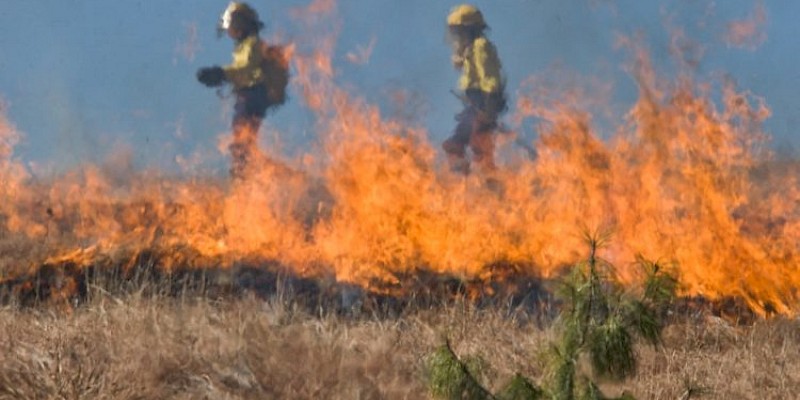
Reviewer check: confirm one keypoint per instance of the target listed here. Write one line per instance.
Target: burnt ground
(507, 286)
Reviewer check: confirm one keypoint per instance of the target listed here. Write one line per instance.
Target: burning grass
(75, 279)
(333, 275)
(684, 180)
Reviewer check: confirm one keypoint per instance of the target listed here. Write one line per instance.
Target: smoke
(361, 54)
(9, 137)
(186, 48)
(748, 33)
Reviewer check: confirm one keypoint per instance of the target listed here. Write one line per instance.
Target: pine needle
(520, 388)
(450, 378)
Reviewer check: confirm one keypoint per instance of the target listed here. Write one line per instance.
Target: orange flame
(683, 179)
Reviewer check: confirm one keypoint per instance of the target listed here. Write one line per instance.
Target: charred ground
(68, 284)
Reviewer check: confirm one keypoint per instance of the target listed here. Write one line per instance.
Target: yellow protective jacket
(481, 68)
(246, 69)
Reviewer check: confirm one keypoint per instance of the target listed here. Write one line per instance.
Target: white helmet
(240, 11)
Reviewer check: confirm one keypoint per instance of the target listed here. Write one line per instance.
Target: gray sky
(81, 77)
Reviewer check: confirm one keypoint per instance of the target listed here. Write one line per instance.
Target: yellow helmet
(466, 15)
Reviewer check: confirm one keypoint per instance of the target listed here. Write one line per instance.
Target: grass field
(156, 347)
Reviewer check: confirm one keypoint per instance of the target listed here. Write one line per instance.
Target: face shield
(458, 41)
(453, 36)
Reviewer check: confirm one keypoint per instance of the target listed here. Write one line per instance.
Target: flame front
(682, 179)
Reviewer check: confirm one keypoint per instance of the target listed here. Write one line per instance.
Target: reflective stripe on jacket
(245, 70)
(481, 68)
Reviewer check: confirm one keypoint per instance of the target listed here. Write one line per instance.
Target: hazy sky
(80, 77)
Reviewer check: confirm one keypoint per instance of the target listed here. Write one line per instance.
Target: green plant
(520, 388)
(452, 378)
(599, 320)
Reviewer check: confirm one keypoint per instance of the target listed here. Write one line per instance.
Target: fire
(683, 180)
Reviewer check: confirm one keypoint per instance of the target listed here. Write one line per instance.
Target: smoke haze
(83, 76)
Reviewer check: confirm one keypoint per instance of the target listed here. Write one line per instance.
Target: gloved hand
(458, 61)
(211, 76)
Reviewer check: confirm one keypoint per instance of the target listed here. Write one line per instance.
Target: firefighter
(481, 89)
(249, 80)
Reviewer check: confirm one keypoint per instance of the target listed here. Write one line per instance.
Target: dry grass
(162, 348)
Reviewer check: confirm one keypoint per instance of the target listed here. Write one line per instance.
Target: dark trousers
(475, 128)
(249, 110)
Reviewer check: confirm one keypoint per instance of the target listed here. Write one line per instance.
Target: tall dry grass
(144, 347)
